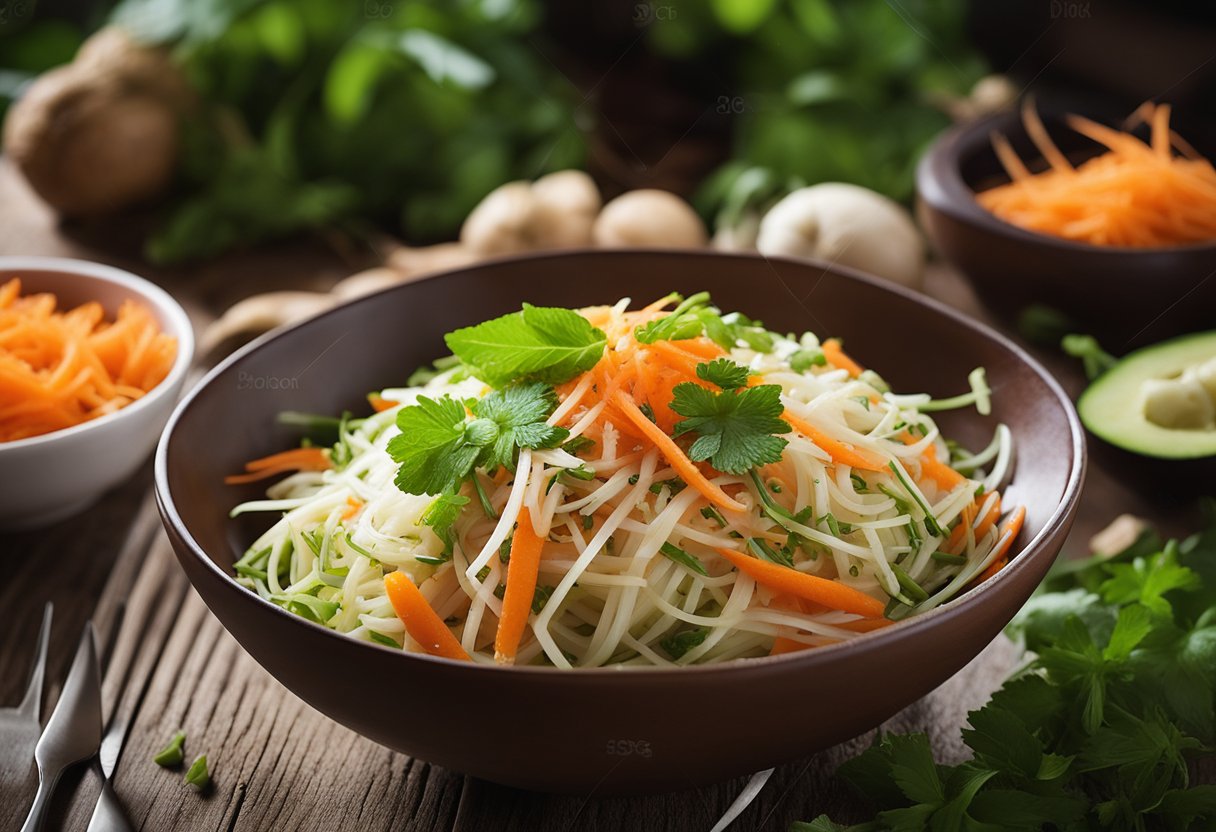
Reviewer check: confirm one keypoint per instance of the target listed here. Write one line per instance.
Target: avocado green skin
(1110, 408)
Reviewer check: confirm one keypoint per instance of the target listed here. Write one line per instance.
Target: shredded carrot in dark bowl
(1107, 221)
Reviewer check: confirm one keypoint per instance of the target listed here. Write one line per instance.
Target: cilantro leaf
(1101, 730)
(538, 343)
(724, 373)
(432, 450)
(734, 429)
(1147, 580)
(439, 446)
(517, 416)
(677, 644)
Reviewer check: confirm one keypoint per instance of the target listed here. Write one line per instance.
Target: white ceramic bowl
(49, 477)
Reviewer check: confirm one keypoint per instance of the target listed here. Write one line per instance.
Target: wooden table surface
(276, 763)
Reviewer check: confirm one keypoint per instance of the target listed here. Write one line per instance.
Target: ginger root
(101, 133)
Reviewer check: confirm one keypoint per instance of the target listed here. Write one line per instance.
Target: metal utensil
(108, 813)
(73, 732)
(750, 792)
(21, 725)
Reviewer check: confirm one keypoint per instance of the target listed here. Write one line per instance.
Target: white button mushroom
(556, 211)
(846, 225)
(649, 217)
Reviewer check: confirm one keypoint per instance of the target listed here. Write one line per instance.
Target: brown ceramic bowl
(608, 730)
(1128, 297)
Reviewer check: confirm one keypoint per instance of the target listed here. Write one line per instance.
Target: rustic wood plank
(68, 565)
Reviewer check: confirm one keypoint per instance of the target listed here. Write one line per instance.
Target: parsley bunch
(1100, 731)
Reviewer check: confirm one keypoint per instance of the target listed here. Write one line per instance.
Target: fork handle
(46, 786)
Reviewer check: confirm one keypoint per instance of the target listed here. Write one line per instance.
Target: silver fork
(20, 726)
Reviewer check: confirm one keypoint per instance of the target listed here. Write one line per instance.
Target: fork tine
(31, 703)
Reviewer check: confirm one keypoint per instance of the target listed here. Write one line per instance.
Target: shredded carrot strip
(379, 403)
(526, 547)
(958, 537)
(675, 457)
(838, 451)
(1009, 532)
(934, 469)
(1134, 194)
(60, 369)
(296, 459)
(421, 621)
(838, 358)
(831, 594)
(989, 519)
(353, 505)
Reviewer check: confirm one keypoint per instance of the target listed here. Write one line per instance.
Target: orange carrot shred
(831, 594)
(1135, 194)
(421, 621)
(675, 457)
(522, 570)
(1008, 533)
(838, 358)
(838, 451)
(60, 369)
(296, 459)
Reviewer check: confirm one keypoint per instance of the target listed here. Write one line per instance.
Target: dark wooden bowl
(1128, 297)
(608, 730)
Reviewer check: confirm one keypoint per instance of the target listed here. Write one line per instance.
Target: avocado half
(1112, 408)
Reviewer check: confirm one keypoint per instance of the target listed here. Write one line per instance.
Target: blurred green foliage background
(403, 114)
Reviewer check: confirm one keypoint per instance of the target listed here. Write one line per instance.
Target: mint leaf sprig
(538, 343)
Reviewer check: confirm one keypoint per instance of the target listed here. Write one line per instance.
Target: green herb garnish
(439, 446)
(171, 755)
(381, 638)
(735, 429)
(538, 343)
(761, 549)
(677, 644)
(540, 597)
(1094, 359)
(804, 360)
(1101, 730)
(197, 775)
(931, 524)
(578, 444)
(678, 555)
(441, 515)
(724, 373)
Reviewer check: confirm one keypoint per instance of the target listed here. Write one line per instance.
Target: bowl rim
(940, 184)
(175, 316)
(910, 628)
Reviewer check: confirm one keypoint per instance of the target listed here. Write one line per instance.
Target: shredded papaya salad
(657, 487)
